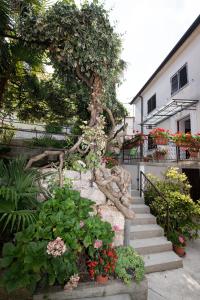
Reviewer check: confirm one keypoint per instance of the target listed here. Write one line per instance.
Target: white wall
(188, 53)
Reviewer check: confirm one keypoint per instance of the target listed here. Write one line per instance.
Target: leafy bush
(66, 218)
(129, 265)
(53, 128)
(49, 142)
(18, 194)
(184, 214)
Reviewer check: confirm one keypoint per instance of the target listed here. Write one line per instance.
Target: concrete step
(135, 193)
(152, 245)
(140, 208)
(145, 231)
(137, 200)
(163, 261)
(141, 219)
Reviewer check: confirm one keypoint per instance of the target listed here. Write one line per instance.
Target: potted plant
(136, 140)
(182, 139)
(160, 136)
(102, 263)
(159, 154)
(194, 146)
(179, 243)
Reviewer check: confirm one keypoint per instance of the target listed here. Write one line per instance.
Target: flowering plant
(160, 151)
(160, 133)
(177, 239)
(181, 137)
(135, 140)
(102, 262)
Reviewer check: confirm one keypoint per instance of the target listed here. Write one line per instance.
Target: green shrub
(18, 195)
(129, 265)
(67, 216)
(53, 128)
(184, 213)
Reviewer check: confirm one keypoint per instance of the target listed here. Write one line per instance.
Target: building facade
(171, 97)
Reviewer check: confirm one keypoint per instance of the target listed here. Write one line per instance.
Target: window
(179, 80)
(151, 104)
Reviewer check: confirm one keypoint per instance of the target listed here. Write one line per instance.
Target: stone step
(163, 261)
(152, 245)
(141, 219)
(135, 193)
(137, 200)
(145, 231)
(140, 208)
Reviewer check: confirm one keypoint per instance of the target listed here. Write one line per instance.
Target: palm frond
(4, 15)
(17, 220)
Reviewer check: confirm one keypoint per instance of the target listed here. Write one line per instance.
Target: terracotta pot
(102, 279)
(159, 156)
(179, 250)
(183, 145)
(161, 141)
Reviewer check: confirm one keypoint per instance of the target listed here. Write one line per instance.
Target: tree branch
(82, 78)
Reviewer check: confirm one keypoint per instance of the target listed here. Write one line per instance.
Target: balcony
(150, 153)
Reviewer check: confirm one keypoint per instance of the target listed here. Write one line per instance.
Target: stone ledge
(93, 289)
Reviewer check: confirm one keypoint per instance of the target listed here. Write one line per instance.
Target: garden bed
(92, 289)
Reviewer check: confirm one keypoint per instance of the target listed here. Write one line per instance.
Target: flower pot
(183, 145)
(161, 141)
(102, 279)
(179, 250)
(160, 156)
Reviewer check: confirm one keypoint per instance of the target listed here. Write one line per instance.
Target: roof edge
(186, 35)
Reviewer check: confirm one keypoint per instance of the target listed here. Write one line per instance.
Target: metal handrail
(158, 192)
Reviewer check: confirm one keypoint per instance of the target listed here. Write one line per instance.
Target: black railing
(132, 153)
(145, 182)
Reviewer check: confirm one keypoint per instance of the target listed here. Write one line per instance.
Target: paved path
(180, 284)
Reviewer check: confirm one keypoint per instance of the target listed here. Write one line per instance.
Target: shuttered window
(179, 80)
(151, 104)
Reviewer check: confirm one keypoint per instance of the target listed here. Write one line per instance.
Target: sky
(150, 29)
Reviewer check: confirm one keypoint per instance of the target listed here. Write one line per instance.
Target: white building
(171, 97)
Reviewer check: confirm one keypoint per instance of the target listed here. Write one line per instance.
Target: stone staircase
(147, 238)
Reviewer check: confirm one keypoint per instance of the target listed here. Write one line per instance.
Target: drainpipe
(142, 126)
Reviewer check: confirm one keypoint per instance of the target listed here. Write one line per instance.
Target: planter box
(92, 289)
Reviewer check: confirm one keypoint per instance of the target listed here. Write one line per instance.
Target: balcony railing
(150, 152)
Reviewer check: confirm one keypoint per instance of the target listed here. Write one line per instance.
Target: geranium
(56, 247)
(181, 239)
(160, 133)
(98, 244)
(103, 262)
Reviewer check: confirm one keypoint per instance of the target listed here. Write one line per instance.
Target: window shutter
(174, 84)
(183, 77)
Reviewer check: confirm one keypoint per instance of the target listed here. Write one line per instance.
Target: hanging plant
(160, 136)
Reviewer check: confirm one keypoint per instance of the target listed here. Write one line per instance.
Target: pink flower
(181, 239)
(81, 224)
(116, 228)
(56, 247)
(98, 244)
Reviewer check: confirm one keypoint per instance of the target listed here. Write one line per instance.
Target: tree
(85, 52)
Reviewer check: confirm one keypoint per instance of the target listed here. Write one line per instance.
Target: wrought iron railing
(145, 183)
(149, 152)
